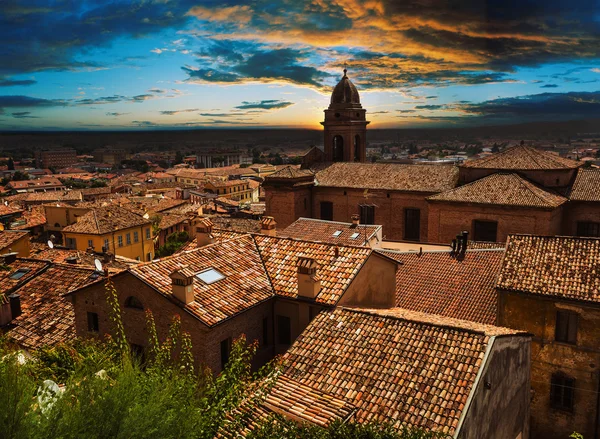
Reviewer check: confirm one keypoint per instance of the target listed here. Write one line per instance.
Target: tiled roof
(321, 230)
(438, 283)
(557, 266)
(245, 284)
(479, 245)
(84, 259)
(47, 317)
(219, 235)
(586, 186)
(168, 220)
(9, 237)
(395, 365)
(106, 219)
(502, 190)
(290, 172)
(9, 210)
(96, 191)
(29, 267)
(33, 218)
(236, 224)
(524, 158)
(39, 183)
(389, 176)
(280, 256)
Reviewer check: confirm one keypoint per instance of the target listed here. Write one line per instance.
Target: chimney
(309, 283)
(268, 226)
(465, 242)
(15, 305)
(204, 227)
(453, 251)
(355, 220)
(459, 244)
(182, 284)
(71, 260)
(8, 258)
(108, 257)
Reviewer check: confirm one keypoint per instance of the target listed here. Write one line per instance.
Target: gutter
(463, 415)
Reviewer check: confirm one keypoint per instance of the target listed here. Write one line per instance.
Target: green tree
(11, 164)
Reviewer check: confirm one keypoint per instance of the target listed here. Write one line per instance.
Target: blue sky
(90, 64)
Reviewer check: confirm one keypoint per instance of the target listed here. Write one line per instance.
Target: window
(566, 327)
(19, 273)
(284, 330)
(210, 276)
(148, 256)
(128, 239)
(327, 210)
(337, 233)
(562, 391)
(225, 351)
(106, 245)
(265, 332)
(136, 237)
(357, 148)
(588, 228)
(92, 319)
(485, 230)
(338, 149)
(147, 233)
(354, 235)
(412, 224)
(133, 302)
(71, 243)
(120, 240)
(90, 243)
(367, 214)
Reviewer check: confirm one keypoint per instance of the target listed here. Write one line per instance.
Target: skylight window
(19, 273)
(210, 276)
(354, 235)
(337, 233)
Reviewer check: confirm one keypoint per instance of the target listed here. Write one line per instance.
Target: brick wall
(577, 211)
(205, 341)
(446, 220)
(546, 178)
(286, 205)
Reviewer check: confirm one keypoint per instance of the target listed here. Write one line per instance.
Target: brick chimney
(182, 284)
(268, 226)
(309, 283)
(204, 227)
(355, 220)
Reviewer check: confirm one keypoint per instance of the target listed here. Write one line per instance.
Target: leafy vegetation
(174, 243)
(100, 389)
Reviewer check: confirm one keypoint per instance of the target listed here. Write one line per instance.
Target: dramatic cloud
(264, 105)
(19, 101)
(23, 115)
(173, 112)
(8, 82)
(549, 86)
(116, 114)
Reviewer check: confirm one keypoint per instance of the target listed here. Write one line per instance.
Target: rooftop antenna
(98, 266)
(50, 244)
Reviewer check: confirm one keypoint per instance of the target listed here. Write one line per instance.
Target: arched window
(338, 149)
(357, 148)
(133, 302)
(56, 224)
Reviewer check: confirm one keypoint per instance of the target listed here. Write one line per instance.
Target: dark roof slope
(559, 266)
(522, 158)
(106, 219)
(327, 231)
(437, 283)
(586, 186)
(502, 190)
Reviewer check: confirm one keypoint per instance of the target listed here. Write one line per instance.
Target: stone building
(519, 190)
(549, 287)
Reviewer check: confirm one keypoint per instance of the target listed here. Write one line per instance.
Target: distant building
(56, 158)
(237, 190)
(109, 155)
(43, 184)
(335, 232)
(207, 160)
(14, 241)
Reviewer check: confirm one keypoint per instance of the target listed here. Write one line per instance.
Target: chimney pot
(204, 227)
(268, 226)
(15, 305)
(465, 242)
(355, 219)
(309, 283)
(182, 285)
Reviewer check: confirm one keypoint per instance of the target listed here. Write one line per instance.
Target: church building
(519, 190)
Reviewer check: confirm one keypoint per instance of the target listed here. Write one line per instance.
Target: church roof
(522, 158)
(504, 190)
(345, 94)
(388, 176)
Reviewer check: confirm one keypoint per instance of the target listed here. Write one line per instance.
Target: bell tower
(345, 133)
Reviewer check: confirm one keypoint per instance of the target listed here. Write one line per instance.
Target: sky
(164, 64)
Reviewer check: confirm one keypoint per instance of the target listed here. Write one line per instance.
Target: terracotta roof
(9, 237)
(390, 176)
(280, 256)
(327, 231)
(586, 186)
(558, 266)
(290, 172)
(84, 259)
(395, 365)
(438, 283)
(47, 317)
(106, 220)
(480, 245)
(8, 279)
(524, 158)
(245, 284)
(96, 191)
(35, 184)
(244, 225)
(168, 220)
(33, 218)
(9, 210)
(219, 235)
(502, 190)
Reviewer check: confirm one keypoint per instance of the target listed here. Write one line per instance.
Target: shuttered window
(566, 327)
